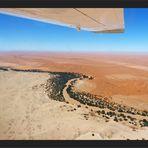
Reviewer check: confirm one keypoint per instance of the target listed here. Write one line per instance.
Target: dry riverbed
(27, 112)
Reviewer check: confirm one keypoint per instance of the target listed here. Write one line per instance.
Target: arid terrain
(73, 96)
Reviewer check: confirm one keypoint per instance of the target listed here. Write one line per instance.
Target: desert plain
(49, 96)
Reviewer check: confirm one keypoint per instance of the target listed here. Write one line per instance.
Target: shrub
(145, 122)
(78, 105)
(103, 112)
(115, 119)
(120, 119)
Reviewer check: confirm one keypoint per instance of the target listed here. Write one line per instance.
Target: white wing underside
(105, 20)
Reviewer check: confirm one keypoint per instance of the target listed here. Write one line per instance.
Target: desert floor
(26, 112)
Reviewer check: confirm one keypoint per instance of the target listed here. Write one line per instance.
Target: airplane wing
(98, 20)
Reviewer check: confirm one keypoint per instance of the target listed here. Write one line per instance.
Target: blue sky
(19, 34)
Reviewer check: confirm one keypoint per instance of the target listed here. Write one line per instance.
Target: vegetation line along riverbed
(110, 110)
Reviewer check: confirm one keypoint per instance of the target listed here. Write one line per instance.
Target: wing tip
(121, 30)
